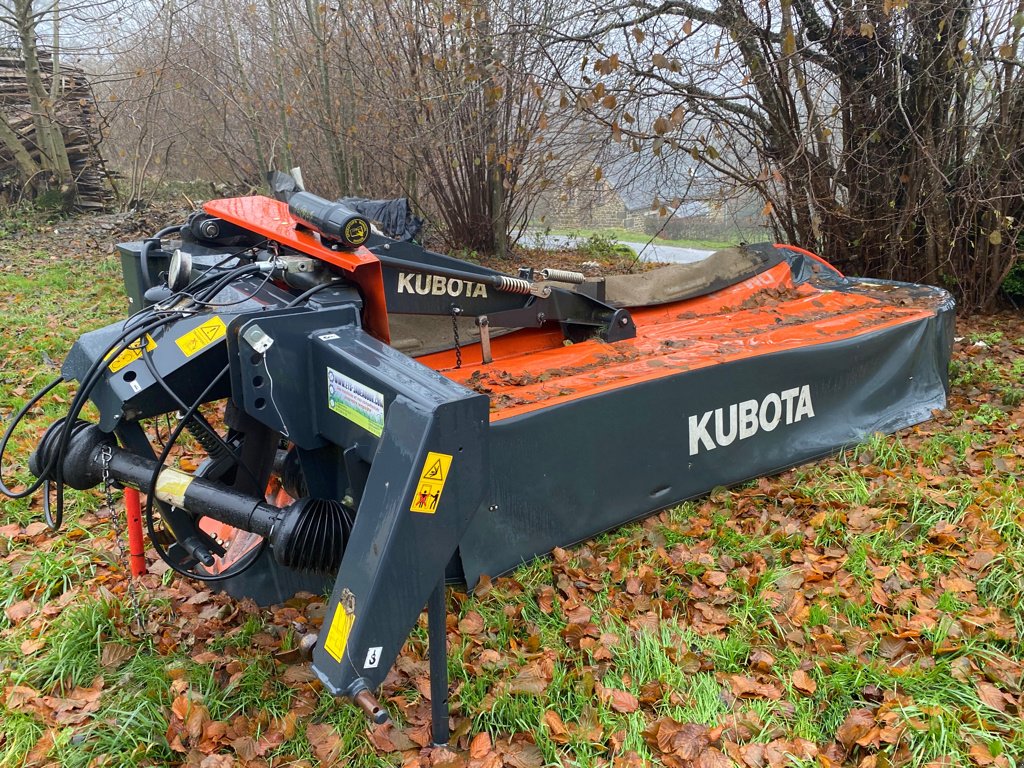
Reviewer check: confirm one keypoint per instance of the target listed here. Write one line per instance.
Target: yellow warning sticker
(131, 354)
(337, 635)
(431, 483)
(171, 486)
(201, 337)
(356, 231)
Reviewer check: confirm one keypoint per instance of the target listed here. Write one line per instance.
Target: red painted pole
(136, 548)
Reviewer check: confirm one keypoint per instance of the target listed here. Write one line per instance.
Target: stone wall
(591, 206)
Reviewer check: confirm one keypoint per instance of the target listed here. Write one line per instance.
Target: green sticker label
(356, 402)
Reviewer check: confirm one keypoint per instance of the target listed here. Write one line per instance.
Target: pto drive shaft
(309, 534)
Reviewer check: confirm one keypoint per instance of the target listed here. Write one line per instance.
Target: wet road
(652, 252)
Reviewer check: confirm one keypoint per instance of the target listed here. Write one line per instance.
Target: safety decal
(131, 354)
(356, 231)
(200, 337)
(431, 483)
(171, 486)
(373, 657)
(337, 635)
(356, 402)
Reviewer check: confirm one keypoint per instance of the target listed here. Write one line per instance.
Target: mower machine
(386, 418)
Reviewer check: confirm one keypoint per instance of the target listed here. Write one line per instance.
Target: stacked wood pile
(76, 111)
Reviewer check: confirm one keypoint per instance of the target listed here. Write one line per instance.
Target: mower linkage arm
(325, 383)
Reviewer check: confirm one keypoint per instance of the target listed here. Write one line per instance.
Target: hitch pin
(369, 704)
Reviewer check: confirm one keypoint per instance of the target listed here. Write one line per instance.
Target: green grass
(18, 734)
(71, 655)
(128, 729)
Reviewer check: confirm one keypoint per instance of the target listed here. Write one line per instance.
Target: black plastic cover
(394, 217)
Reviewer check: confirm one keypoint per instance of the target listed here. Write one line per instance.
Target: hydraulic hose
(147, 244)
(10, 431)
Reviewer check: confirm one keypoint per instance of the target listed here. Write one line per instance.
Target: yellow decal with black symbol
(431, 483)
(337, 635)
(200, 337)
(356, 231)
(130, 354)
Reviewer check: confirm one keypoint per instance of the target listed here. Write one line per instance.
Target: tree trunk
(282, 100)
(12, 142)
(49, 138)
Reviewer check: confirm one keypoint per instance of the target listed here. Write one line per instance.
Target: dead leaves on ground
(602, 597)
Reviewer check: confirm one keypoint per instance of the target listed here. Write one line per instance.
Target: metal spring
(562, 275)
(200, 430)
(514, 285)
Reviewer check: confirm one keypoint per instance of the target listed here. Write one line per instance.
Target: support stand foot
(437, 648)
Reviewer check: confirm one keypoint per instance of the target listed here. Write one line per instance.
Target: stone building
(582, 205)
(624, 192)
(689, 207)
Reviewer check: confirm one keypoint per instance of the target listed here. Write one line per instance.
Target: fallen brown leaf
(556, 727)
(114, 655)
(713, 758)
(621, 701)
(480, 746)
(856, 725)
(19, 611)
(327, 743)
(804, 682)
(747, 688)
(992, 696)
(471, 624)
(530, 680)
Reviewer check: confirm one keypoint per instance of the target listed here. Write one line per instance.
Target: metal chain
(456, 311)
(115, 522)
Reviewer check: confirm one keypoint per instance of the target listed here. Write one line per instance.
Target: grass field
(864, 610)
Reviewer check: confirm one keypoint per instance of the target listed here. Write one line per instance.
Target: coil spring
(514, 285)
(562, 275)
(200, 429)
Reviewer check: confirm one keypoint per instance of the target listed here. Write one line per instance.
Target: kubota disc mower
(395, 418)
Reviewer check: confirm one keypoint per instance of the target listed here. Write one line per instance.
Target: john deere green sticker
(356, 402)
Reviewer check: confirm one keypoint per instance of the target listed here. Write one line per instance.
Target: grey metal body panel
(395, 555)
(569, 472)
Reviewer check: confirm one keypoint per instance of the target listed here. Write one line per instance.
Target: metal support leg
(485, 339)
(437, 648)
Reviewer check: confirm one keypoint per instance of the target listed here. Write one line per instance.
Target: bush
(673, 229)
(1013, 285)
(604, 248)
